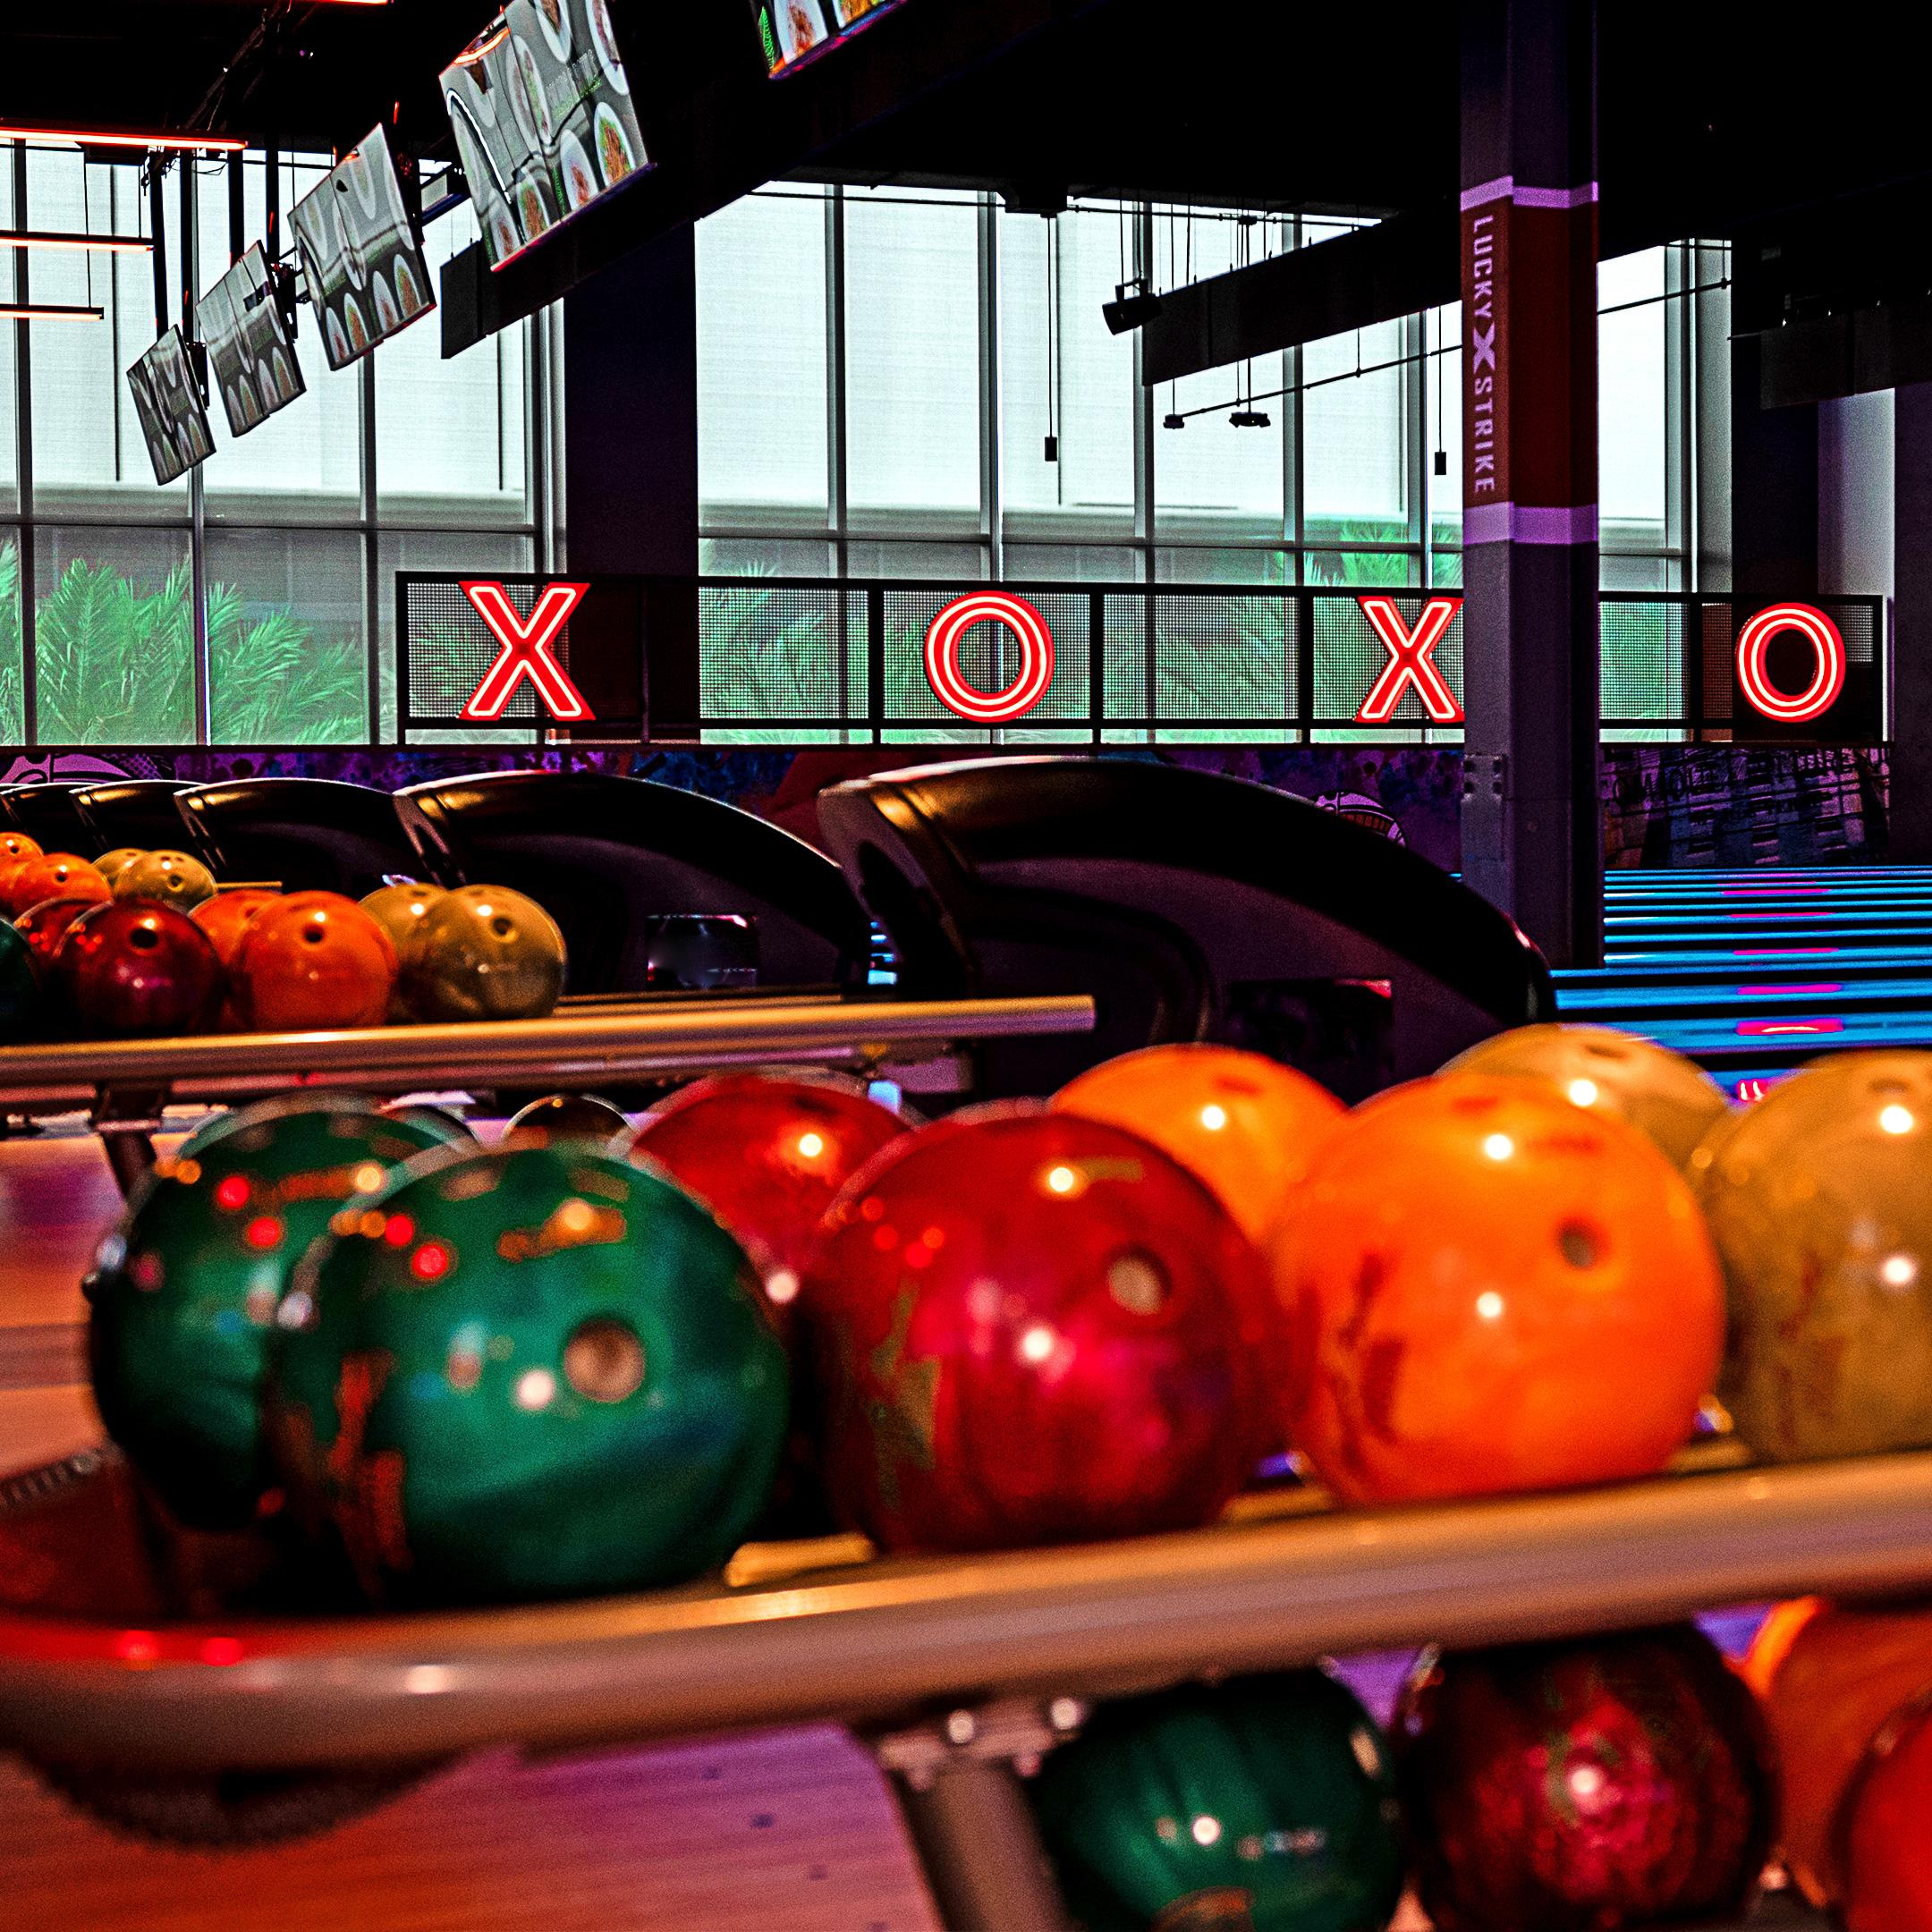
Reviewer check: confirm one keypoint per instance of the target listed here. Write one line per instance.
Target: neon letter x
(526, 651)
(1410, 660)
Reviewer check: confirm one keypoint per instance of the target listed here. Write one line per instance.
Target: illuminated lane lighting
(1824, 988)
(103, 137)
(1786, 952)
(1765, 1029)
(100, 244)
(49, 312)
(1828, 680)
(1797, 912)
(1777, 892)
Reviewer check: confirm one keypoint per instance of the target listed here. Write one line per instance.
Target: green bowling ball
(20, 987)
(541, 1372)
(183, 1294)
(175, 879)
(482, 952)
(1260, 1804)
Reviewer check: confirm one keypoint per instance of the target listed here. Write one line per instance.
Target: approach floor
(1752, 972)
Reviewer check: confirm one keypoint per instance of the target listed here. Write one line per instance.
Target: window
(402, 457)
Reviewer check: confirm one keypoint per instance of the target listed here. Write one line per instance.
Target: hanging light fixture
(104, 244)
(49, 312)
(40, 136)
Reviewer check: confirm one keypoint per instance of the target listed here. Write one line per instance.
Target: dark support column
(631, 414)
(1532, 836)
(1911, 626)
(1774, 492)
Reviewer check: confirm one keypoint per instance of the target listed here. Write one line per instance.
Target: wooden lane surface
(788, 1831)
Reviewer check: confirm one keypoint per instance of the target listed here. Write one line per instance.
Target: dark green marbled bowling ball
(1262, 1803)
(20, 987)
(547, 1374)
(183, 1294)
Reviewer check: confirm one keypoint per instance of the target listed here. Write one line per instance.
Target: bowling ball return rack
(599, 1040)
(140, 1698)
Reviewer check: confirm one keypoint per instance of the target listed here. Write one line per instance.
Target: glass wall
(297, 527)
(903, 384)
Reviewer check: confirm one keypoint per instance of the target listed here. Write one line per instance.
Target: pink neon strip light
(1776, 892)
(1820, 914)
(1781, 992)
(1785, 953)
(1759, 1028)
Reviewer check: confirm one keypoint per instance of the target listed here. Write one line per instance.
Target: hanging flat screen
(794, 31)
(249, 350)
(364, 268)
(167, 399)
(541, 109)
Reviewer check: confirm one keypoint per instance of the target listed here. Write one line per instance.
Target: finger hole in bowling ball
(312, 936)
(1137, 1282)
(1581, 1244)
(144, 938)
(604, 1361)
(504, 929)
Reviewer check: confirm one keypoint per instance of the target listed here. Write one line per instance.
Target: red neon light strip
(1760, 1029)
(100, 138)
(1410, 661)
(526, 651)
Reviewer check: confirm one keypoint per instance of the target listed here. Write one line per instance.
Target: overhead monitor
(251, 352)
(361, 261)
(167, 399)
(792, 32)
(545, 124)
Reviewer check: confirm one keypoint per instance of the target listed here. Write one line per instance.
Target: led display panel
(251, 352)
(541, 108)
(167, 401)
(792, 32)
(360, 260)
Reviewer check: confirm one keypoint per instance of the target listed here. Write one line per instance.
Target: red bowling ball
(768, 1155)
(1579, 1786)
(44, 926)
(1886, 1825)
(133, 967)
(1032, 1328)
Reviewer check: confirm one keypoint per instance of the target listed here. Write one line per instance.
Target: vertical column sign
(1030, 683)
(526, 652)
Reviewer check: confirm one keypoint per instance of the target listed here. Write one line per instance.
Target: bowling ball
(1263, 1803)
(1827, 1677)
(1486, 1288)
(21, 1001)
(399, 910)
(1820, 1203)
(45, 926)
(1884, 1830)
(567, 1116)
(1577, 1786)
(1244, 1124)
(131, 967)
(55, 876)
(183, 1295)
(1670, 1100)
(312, 960)
(767, 1154)
(1029, 1328)
(483, 952)
(225, 919)
(540, 1372)
(14, 846)
(111, 864)
(173, 878)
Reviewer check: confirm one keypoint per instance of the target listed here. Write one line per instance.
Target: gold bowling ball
(399, 910)
(110, 865)
(169, 877)
(1820, 1199)
(1670, 1101)
(483, 952)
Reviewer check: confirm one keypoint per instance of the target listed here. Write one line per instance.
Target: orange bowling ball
(1827, 1678)
(225, 919)
(53, 876)
(313, 960)
(1485, 1288)
(14, 846)
(1246, 1125)
(1886, 1828)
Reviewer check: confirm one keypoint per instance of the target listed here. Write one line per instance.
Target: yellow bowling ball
(483, 952)
(1820, 1199)
(1668, 1099)
(112, 864)
(170, 877)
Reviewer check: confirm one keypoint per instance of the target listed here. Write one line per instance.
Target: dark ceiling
(1711, 116)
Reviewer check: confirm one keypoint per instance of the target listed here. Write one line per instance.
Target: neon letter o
(1754, 644)
(1035, 656)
